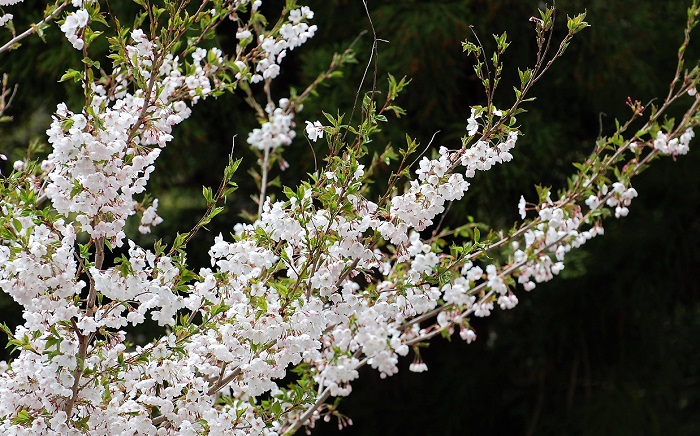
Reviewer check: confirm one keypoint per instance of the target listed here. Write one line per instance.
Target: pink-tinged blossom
(507, 302)
(273, 48)
(150, 218)
(675, 146)
(593, 202)
(5, 18)
(97, 172)
(243, 34)
(277, 131)
(467, 335)
(314, 130)
(482, 310)
(472, 124)
(521, 207)
(418, 367)
(72, 24)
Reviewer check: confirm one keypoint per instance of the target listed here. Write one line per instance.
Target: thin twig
(34, 27)
(374, 56)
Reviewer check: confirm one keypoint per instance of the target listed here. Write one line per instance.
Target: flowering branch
(321, 282)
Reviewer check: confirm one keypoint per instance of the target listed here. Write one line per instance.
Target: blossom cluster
(274, 48)
(277, 131)
(104, 156)
(436, 184)
(73, 23)
(674, 146)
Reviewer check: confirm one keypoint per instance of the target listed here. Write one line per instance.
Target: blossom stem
(263, 182)
(32, 29)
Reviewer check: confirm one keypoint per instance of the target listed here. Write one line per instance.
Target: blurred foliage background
(611, 346)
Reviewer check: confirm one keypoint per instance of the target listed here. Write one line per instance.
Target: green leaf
(71, 74)
(576, 24)
(470, 48)
(22, 418)
(208, 195)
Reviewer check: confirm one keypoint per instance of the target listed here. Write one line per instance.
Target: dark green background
(609, 347)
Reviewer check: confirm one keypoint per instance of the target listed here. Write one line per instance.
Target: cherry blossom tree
(324, 280)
